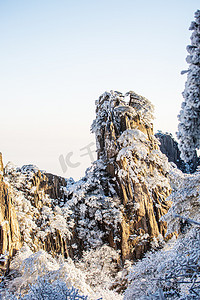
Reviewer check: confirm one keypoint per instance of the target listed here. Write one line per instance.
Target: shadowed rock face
(169, 147)
(48, 184)
(10, 238)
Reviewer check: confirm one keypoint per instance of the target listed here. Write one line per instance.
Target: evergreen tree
(189, 117)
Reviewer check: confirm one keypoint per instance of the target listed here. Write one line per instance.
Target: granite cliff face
(10, 238)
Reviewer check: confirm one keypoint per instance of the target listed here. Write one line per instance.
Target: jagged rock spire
(130, 168)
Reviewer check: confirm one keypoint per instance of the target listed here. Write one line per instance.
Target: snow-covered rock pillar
(127, 147)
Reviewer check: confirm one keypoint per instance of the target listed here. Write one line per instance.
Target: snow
(91, 211)
(133, 141)
(185, 198)
(189, 116)
(172, 271)
(35, 272)
(41, 220)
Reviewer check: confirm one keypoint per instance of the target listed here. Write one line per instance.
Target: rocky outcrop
(169, 147)
(119, 202)
(48, 184)
(38, 198)
(10, 238)
(122, 197)
(132, 157)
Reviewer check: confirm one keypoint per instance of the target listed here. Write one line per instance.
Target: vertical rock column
(130, 153)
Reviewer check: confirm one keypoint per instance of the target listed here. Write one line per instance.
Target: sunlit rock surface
(10, 238)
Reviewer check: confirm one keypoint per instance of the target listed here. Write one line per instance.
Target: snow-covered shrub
(57, 290)
(30, 272)
(27, 267)
(100, 267)
(45, 290)
(174, 271)
(185, 199)
(58, 218)
(96, 214)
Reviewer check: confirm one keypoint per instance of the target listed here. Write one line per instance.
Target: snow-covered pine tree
(189, 117)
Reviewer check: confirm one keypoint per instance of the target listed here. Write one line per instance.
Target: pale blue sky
(57, 57)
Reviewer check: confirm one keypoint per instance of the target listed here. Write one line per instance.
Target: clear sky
(57, 57)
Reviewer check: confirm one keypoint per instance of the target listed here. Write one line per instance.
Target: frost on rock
(39, 216)
(173, 272)
(105, 220)
(97, 214)
(112, 106)
(189, 117)
(123, 194)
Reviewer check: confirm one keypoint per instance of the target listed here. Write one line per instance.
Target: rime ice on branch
(189, 117)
